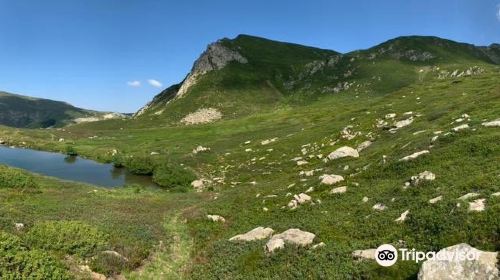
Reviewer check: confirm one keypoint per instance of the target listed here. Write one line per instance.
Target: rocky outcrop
(492, 123)
(204, 115)
(482, 266)
(215, 57)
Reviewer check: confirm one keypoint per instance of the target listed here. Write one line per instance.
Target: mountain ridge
(249, 65)
(23, 111)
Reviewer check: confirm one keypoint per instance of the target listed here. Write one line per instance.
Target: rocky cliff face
(215, 57)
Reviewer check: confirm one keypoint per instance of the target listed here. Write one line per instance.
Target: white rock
(460, 127)
(202, 115)
(467, 196)
(255, 234)
(477, 205)
(154, 153)
(291, 236)
(390, 116)
(379, 207)
(310, 189)
(343, 152)
(216, 218)
(319, 245)
(495, 194)
(402, 218)
(365, 199)
(339, 190)
(484, 267)
(414, 155)
(327, 179)
(274, 244)
(364, 145)
(198, 185)
(302, 162)
(436, 199)
(19, 226)
(248, 150)
(269, 141)
(424, 176)
(302, 198)
(368, 254)
(200, 149)
(492, 123)
(403, 123)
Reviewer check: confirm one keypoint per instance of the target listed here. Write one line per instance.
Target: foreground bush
(141, 165)
(173, 176)
(69, 237)
(15, 178)
(16, 262)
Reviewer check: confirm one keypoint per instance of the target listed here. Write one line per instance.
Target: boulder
(198, 185)
(19, 226)
(338, 190)
(255, 234)
(200, 149)
(414, 155)
(343, 152)
(327, 179)
(460, 127)
(379, 207)
(403, 123)
(468, 195)
(423, 176)
(484, 265)
(216, 218)
(291, 236)
(269, 141)
(477, 205)
(298, 200)
(364, 145)
(492, 123)
(368, 254)
(403, 216)
(436, 199)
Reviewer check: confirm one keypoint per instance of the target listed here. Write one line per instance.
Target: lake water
(70, 168)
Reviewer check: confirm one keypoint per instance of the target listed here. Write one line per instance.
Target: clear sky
(115, 55)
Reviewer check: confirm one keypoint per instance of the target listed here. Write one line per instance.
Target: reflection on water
(70, 168)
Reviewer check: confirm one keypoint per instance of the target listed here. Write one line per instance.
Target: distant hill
(28, 112)
(247, 74)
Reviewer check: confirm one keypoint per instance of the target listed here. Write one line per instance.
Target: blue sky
(115, 55)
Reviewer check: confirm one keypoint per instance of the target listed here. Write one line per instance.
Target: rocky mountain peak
(216, 57)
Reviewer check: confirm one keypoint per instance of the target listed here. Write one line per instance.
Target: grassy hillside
(28, 112)
(250, 181)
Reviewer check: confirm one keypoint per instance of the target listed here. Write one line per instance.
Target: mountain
(29, 112)
(247, 74)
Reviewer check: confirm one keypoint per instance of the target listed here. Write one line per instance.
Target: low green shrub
(173, 176)
(108, 264)
(15, 178)
(141, 165)
(70, 151)
(16, 262)
(69, 237)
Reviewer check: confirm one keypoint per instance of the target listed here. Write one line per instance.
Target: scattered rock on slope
(477, 205)
(368, 254)
(343, 152)
(327, 179)
(216, 218)
(483, 267)
(424, 176)
(414, 155)
(492, 123)
(255, 234)
(292, 236)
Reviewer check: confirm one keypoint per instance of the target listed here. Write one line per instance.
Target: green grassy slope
(256, 176)
(28, 112)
